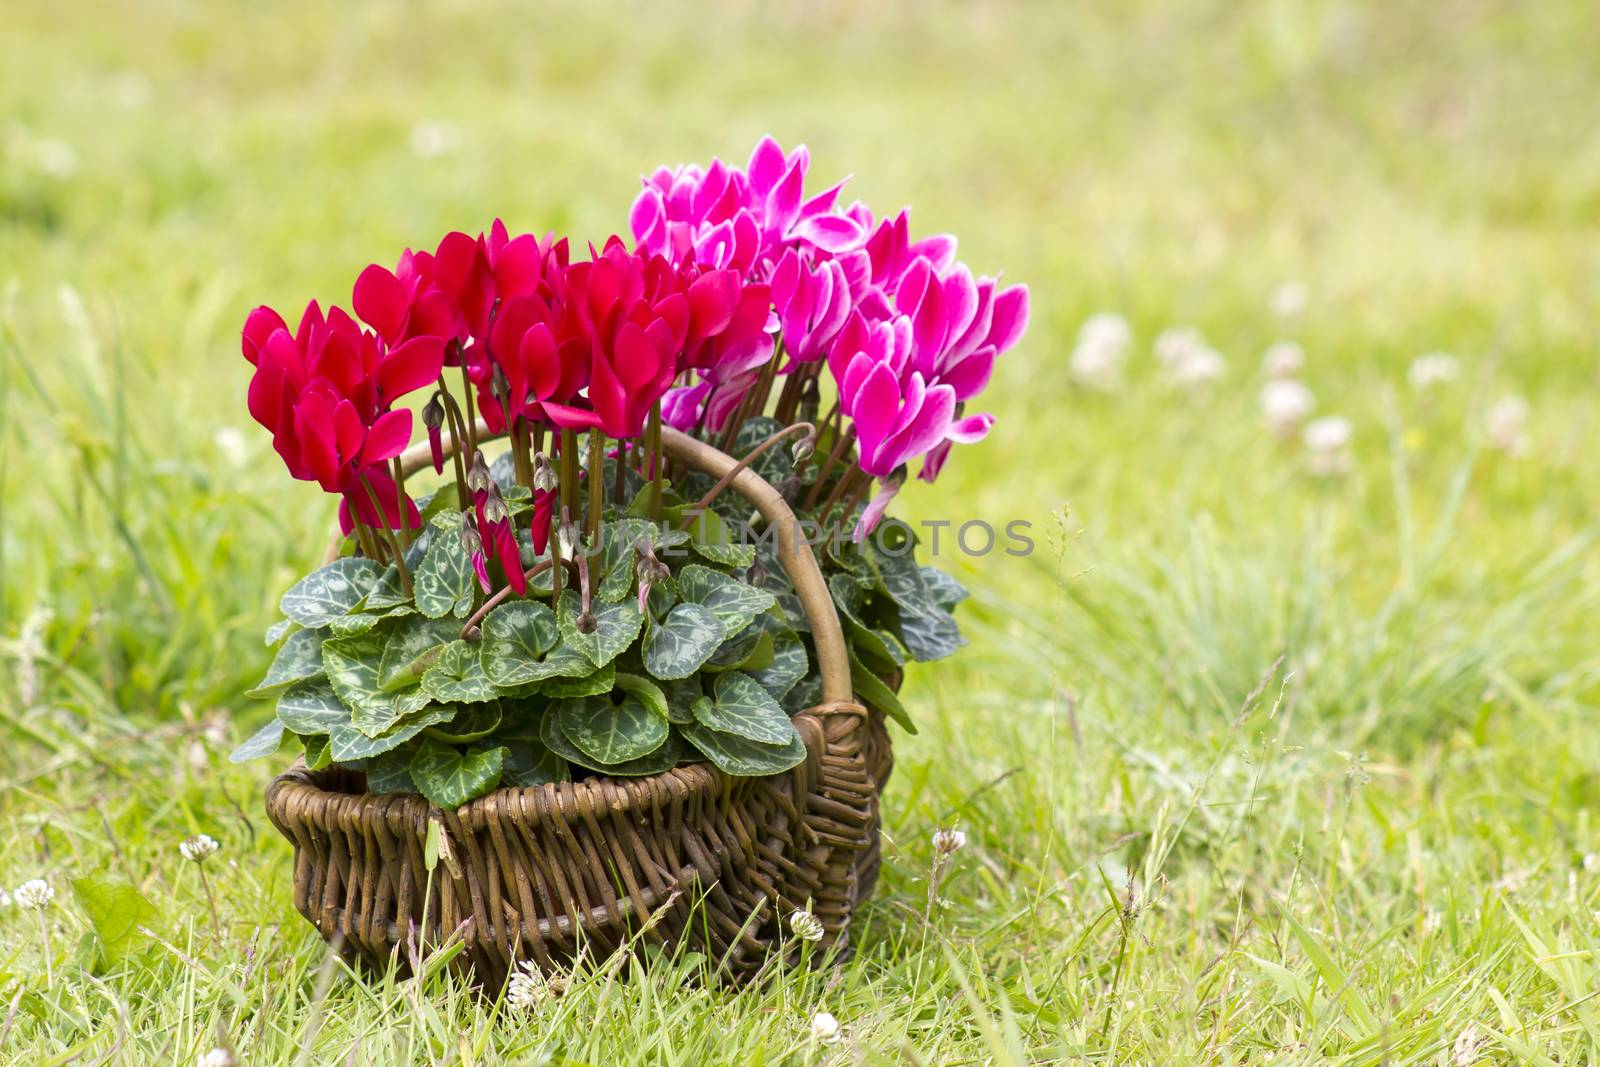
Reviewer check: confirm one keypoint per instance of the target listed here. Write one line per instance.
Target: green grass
(1380, 859)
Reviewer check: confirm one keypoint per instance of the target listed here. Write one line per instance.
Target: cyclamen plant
(580, 605)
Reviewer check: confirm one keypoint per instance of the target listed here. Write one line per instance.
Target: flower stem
(597, 475)
(216, 923)
(400, 509)
(44, 934)
(504, 591)
(653, 430)
(755, 453)
(458, 437)
(394, 542)
(619, 483)
(840, 447)
(472, 414)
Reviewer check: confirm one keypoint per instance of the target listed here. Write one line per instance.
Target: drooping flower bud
(494, 507)
(804, 448)
(544, 475)
(478, 479)
(471, 543)
(499, 385)
(433, 419)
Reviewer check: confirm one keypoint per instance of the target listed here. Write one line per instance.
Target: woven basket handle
(794, 554)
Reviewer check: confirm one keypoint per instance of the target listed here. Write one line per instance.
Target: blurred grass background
(1144, 859)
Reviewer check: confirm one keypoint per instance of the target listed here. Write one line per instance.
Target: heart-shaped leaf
(457, 677)
(449, 778)
(648, 693)
(348, 743)
(875, 694)
(945, 590)
(611, 734)
(681, 694)
(600, 681)
(469, 724)
(299, 658)
(444, 581)
(744, 758)
(120, 915)
(264, 742)
(413, 647)
(617, 558)
(352, 665)
(325, 594)
(749, 649)
(680, 644)
(516, 637)
(390, 772)
(616, 627)
(790, 663)
(664, 758)
(318, 754)
(806, 694)
(365, 620)
(276, 631)
(734, 603)
(743, 708)
(312, 707)
(925, 625)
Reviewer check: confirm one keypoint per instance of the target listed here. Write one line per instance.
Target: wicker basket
(704, 861)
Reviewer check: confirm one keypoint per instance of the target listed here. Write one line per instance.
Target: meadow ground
(1388, 855)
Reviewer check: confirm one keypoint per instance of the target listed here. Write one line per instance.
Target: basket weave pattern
(693, 857)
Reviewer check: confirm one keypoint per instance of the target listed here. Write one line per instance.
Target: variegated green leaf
(349, 743)
(469, 724)
(325, 594)
(352, 666)
(945, 590)
(597, 682)
(744, 758)
(681, 694)
(790, 663)
(299, 658)
(611, 734)
(743, 708)
(264, 742)
(616, 627)
(680, 644)
(875, 693)
(457, 677)
(390, 772)
(529, 763)
(311, 707)
(749, 649)
(516, 638)
(413, 647)
(733, 602)
(277, 630)
(648, 693)
(318, 753)
(663, 758)
(617, 559)
(444, 580)
(450, 778)
(364, 621)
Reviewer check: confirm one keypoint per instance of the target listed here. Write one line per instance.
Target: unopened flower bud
(804, 449)
(544, 476)
(499, 385)
(471, 543)
(478, 479)
(433, 413)
(494, 507)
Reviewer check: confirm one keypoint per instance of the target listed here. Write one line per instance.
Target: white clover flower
(1285, 405)
(5, 899)
(529, 986)
(231, 443)
(1591, 862)
(1101, 351)
(432, 138)
(1328, 441)
(806, 926)
(1106, 329)
(1174, 344)
(34, 895)
(1433, 368)
(1506, 423)
(199, 848)
(825, 1028)
(1283, 359)
(217, 1057)
(1198, 368)
(1288, 299)
(948, 841)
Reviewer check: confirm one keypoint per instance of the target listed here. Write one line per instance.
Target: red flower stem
(653, 430)
(527, 450)
(733, 472)
(394, 542)
(489, 604)
(840, 446)
(597, 477)
(569, 493)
